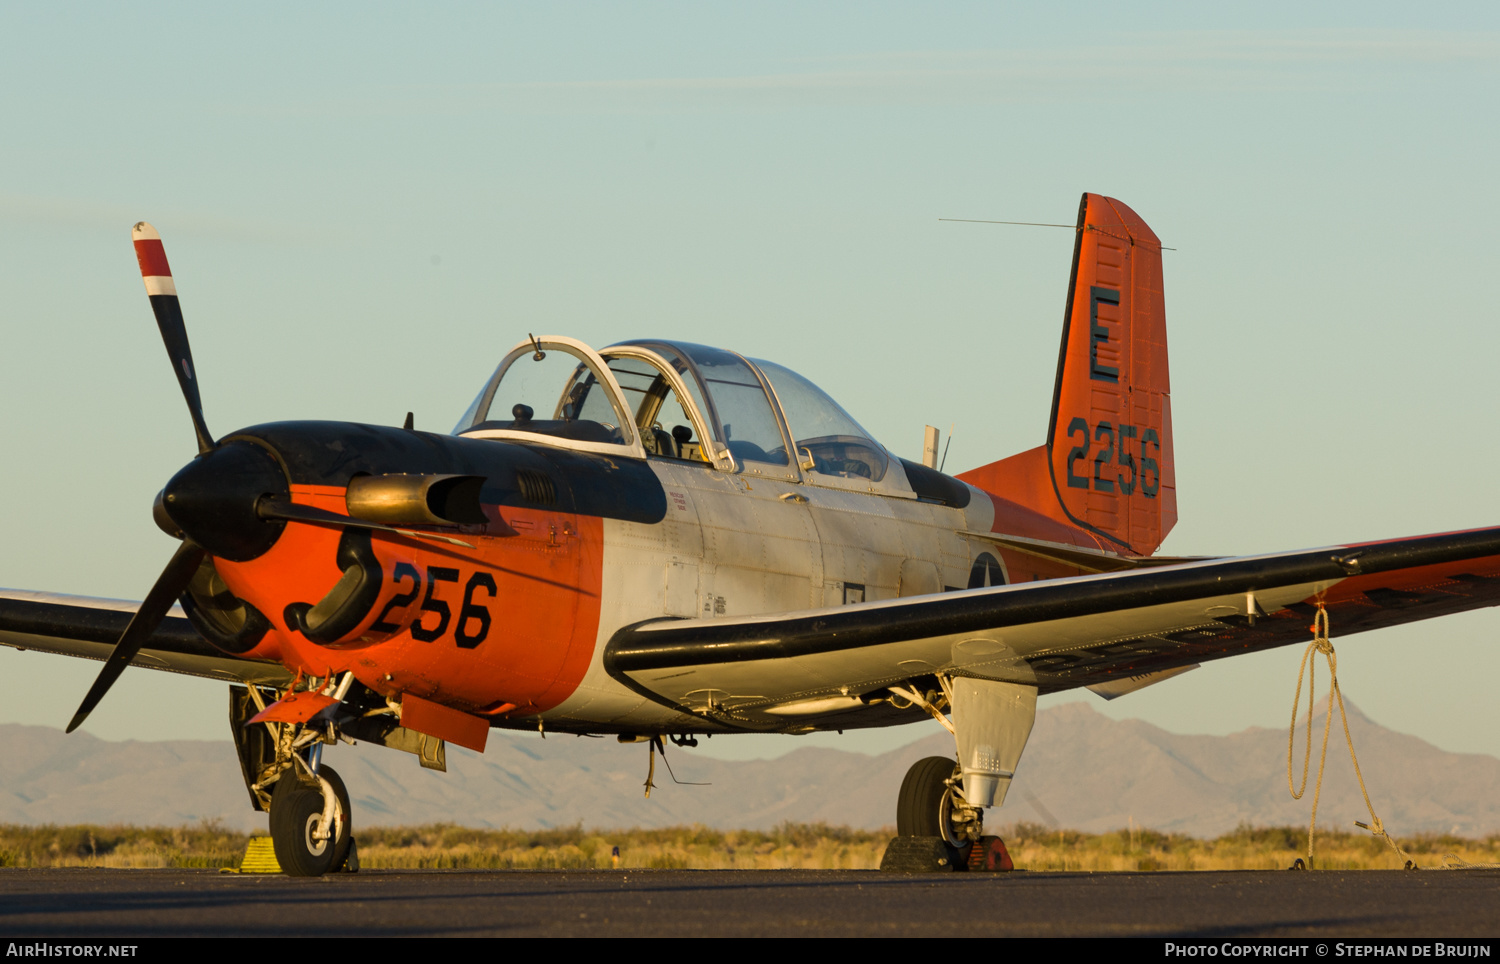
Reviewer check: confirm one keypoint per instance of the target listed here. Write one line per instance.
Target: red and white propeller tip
(153, 260)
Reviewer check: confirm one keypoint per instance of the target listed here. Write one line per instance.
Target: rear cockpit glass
(559, 395)
(665, 427)
(836, 442)
(672, 356)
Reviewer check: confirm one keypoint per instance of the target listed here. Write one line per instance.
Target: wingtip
(143, 231)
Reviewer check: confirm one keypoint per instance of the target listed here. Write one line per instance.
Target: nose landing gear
(310, 823)
(282, 764)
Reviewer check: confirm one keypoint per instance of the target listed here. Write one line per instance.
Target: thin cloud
(93, 215)
(1186, 61)
(1150, 63)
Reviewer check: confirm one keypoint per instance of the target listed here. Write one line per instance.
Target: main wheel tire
(295, 809)
(920, 809)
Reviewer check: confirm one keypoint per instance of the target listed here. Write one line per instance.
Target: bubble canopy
(674, 400)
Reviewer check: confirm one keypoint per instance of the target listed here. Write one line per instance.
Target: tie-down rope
(1321, 644)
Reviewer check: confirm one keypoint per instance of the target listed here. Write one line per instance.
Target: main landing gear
(937, 828)
(932, 804)
(940, 811)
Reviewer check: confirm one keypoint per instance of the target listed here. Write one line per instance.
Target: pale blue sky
(365, 206)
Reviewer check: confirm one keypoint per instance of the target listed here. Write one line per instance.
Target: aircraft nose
(212, 499)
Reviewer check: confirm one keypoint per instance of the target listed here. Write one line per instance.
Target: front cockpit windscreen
(836, 442)
(558, 394)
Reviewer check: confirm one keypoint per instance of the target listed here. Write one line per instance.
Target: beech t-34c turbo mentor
(660, 539)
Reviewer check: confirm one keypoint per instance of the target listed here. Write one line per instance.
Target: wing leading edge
(831, 668)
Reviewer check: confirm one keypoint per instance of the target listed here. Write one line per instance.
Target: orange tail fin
(1107, 465)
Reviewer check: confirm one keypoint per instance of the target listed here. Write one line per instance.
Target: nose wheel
(308, 839)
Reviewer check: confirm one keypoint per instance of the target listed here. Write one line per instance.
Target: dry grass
(443, 846)
(805, 846)
(790, 846)
(87, 845)
(1247, 848)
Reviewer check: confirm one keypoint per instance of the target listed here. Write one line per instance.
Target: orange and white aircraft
(660, 539)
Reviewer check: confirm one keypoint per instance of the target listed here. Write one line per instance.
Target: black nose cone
(212, 500)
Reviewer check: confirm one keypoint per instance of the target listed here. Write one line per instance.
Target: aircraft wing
(830, 668)
(89, 627)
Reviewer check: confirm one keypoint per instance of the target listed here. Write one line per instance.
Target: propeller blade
(163, 293)
(169, 585)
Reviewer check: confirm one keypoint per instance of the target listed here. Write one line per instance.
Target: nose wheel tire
(296, 811)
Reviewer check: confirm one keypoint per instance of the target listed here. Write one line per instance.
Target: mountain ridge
(1081, 770)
